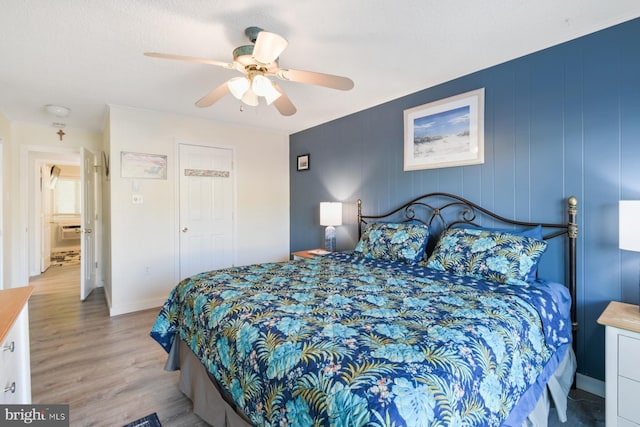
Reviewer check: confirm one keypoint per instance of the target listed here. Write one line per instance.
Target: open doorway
(60, 212)
(62, 184)
(43, 220)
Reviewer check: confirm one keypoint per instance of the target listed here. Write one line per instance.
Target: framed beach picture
(445, 133)
(143, 165)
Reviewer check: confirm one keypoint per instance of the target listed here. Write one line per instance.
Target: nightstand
(308, 254)
(622, 369)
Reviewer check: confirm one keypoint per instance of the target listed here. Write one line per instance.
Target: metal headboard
(431, 207)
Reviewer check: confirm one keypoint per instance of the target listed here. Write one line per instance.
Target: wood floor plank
(109, 370)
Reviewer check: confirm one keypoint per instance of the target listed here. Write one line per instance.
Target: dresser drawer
(628, 351)
(628, 392)
(11, 350)
(15, 376)
(11, 381)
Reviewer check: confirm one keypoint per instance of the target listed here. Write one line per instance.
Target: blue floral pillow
(533, 232)
(394, 241)
(496, 256)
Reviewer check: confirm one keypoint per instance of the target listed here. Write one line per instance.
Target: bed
(437, 318)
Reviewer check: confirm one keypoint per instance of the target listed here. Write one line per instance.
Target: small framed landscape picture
(303, 162)
(445, 133)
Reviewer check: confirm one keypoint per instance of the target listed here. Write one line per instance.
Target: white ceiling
(86, 54)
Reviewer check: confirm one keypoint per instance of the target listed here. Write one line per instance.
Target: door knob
(88, 230)
(184, 229)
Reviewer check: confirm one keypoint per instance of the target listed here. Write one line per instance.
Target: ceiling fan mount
(252, 33)
(258, 62)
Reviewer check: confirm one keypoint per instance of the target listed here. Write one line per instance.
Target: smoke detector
(57, 110)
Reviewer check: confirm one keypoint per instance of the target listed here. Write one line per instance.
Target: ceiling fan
(258, 62)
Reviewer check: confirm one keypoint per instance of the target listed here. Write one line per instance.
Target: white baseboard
(591, 385)
(136, 306)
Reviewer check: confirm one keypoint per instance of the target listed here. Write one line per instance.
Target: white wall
(5, 135)
(143, 247)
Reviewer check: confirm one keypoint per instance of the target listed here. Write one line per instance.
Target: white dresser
(622, 366)
(15, 370)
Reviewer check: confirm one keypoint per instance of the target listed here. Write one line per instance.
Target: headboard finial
(573, 212)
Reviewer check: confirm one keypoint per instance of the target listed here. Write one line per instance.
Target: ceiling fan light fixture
(238, 86)
(250, 98)
(258, 62)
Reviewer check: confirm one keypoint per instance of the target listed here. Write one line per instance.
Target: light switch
(136, 199)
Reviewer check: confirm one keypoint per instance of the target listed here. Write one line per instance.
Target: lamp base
(330, 238)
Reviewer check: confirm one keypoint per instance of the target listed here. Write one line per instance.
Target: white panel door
(87, 214)
(206, 208)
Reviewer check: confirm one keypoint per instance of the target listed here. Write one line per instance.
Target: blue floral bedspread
(346, 341)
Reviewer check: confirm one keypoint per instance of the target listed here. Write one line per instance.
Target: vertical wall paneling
(521, 98)
(601, 65)
(574, 162)
(629, 154)
(563, 121)
(499, 126)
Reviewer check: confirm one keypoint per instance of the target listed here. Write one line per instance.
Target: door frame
(27, 197)
(234, 203)
(35, 239)
(44, 216)
(88, 184)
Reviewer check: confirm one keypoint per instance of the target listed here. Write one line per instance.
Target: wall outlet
(136, 199)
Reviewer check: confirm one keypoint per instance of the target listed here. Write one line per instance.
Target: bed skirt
(210, 405)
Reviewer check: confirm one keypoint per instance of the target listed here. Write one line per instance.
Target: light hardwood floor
(109, 370)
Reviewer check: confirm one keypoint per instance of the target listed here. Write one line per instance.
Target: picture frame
(303, 162)
(445, 133)
(143, 165)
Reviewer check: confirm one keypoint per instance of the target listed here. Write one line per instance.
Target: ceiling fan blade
(320, 79)
(190, 59)
(268, 47)
(283, 103)
(212, 97)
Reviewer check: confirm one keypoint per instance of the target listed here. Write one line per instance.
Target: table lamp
(629, 226)
(330, 216)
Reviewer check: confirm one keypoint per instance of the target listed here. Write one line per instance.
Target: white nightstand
(310, 253)
(622, 369)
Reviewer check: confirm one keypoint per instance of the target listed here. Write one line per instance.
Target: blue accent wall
(560, 122)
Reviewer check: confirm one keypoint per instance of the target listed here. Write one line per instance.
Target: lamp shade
(250, 98)
(629, 225)
(238, 86)
(330, 213)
